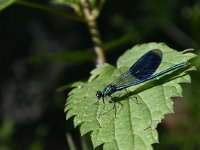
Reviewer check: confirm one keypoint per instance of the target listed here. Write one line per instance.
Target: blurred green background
(41, 52)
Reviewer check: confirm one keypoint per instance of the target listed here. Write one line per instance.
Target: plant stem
(98, 46)
(70, 142)
(48, 9)
(90, 19)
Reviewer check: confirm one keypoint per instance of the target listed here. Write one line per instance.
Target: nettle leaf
(5, 3)
(138, 112)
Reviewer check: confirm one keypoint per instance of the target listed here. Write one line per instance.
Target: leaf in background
(71, 3)
(71, 56)
(135, 123)
(75, 4)
(67, 1)
(5, 3)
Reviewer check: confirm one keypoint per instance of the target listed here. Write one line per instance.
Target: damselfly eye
(99, 94)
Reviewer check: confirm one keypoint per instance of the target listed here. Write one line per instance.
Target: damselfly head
(99, 94)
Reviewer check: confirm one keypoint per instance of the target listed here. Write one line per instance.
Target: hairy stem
(90, 19)
(98, 46)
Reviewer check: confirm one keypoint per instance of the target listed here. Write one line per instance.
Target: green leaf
(72, 56)
(72, 3)
(68, 86)
(5, 3)
(138, 113)
(75, 4)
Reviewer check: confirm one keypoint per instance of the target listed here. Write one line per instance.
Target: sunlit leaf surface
(138, 112)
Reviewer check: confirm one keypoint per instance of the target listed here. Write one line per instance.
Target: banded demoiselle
(139, 72)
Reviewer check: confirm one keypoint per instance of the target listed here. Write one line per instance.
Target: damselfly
(139, 72)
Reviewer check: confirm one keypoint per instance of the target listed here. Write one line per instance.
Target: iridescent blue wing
(146, 65)
(143, 68)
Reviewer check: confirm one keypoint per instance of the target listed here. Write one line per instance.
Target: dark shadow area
(41, 52)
